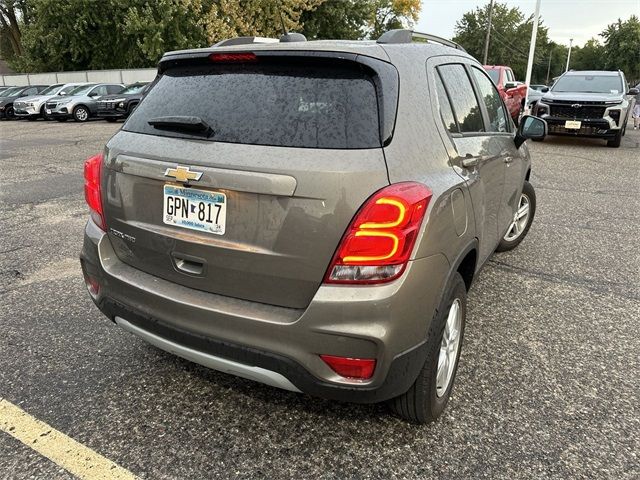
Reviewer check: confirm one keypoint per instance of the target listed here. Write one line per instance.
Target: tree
(622, 47)
(591, 56)
(510, 39)
(355, 19)
(10, 12)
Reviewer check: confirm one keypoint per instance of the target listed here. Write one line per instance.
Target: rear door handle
(470, 161)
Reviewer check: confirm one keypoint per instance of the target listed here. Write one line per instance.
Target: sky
(577, 19)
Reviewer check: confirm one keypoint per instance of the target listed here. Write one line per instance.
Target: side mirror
(93, 94)
(510, 85)
(544, 89)
(530, 128)
(633, 91)
(62, 93)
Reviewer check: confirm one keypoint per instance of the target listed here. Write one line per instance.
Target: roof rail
(402, 35)
(289, 37)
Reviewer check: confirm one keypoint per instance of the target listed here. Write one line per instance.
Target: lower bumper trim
(257, 374)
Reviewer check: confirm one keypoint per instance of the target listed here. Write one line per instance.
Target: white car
(33, 107)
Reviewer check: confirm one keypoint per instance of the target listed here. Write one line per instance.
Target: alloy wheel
(520, 219)
(449, 348)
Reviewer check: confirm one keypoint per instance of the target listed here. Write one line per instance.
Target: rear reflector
(233, 57)
(92, 170)
(357, 368)
(378, 243)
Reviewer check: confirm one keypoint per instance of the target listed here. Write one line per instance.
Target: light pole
(569, 54)
(488, 36)
(532, 51)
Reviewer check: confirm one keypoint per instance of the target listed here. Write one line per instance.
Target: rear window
(281, 104)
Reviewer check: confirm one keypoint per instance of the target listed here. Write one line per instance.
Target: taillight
(378, 243)
(357, 368)
(92, 169)
(233, 57)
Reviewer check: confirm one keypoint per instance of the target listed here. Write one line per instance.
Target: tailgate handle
(188, 264)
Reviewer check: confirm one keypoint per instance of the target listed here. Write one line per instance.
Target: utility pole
(569, 54)
(532, 51)
(549, 67)
(488, 37)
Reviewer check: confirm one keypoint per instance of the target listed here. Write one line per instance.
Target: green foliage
(622, 47)
(356, 19)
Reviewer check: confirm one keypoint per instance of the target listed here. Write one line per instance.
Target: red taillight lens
(358, 368)
(233, 57)
(92, 169)
(380, 239)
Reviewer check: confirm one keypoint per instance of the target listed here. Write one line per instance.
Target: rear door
(292, 150)
(475, 153)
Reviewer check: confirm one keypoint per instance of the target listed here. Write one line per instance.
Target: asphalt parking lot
(548, 387)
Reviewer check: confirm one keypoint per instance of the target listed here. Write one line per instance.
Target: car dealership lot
(548, 383)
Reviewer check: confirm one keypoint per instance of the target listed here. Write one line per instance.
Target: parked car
(4, 89)
(10, 96)
(33, 107)
(81, 102)
(113, 107)
(535, 96)
(588, 104)
(511, 91)
(310, 215)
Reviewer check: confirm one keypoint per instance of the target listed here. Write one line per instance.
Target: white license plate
(195, 209)
(48, 111)
(572, 125)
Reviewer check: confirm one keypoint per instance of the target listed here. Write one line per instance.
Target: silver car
(310, 215)
(81, 102)
(33, 107)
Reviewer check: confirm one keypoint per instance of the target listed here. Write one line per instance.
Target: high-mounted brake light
(357, 368)
(92, 170)
(378, 243)
(233, 57)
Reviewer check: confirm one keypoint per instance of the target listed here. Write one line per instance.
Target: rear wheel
(522, 219)
(427, 398)
(80, 113)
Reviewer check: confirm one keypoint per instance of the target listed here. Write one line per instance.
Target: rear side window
(446, 113)
(464, 102)
(315, 105)
(497, 115)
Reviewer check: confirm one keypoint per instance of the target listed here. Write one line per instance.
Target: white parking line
(74, 457)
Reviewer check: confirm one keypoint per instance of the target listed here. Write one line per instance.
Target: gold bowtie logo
(182, 174)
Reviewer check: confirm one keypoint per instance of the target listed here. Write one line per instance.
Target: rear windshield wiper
(182, 123)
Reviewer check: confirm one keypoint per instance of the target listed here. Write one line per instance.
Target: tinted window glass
(464, 102)
(491, 97)
(99, 90)
(495, 75)
(446, 113)
(301, 105)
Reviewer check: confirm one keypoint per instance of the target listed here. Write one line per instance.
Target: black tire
(81, 113)
(9, 114)
(110, 120)
(43, 113)
(421, 403)
(616, 141)
(62, 119)
(505, 244)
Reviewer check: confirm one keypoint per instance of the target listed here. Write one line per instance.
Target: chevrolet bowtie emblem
(182, 174)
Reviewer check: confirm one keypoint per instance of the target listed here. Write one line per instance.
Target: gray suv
(591, 104)
(81, 103)
(310, 215)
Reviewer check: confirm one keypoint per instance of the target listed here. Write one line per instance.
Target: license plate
(195, 209)
(48, 111)
(572, 125)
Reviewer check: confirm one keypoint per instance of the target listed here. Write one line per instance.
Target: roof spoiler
(402, 35)
(286, 38)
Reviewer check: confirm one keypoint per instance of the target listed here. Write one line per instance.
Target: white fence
(98, 76)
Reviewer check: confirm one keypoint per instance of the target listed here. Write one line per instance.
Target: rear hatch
(291, 149)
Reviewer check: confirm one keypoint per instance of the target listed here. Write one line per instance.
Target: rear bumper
(386, 322)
